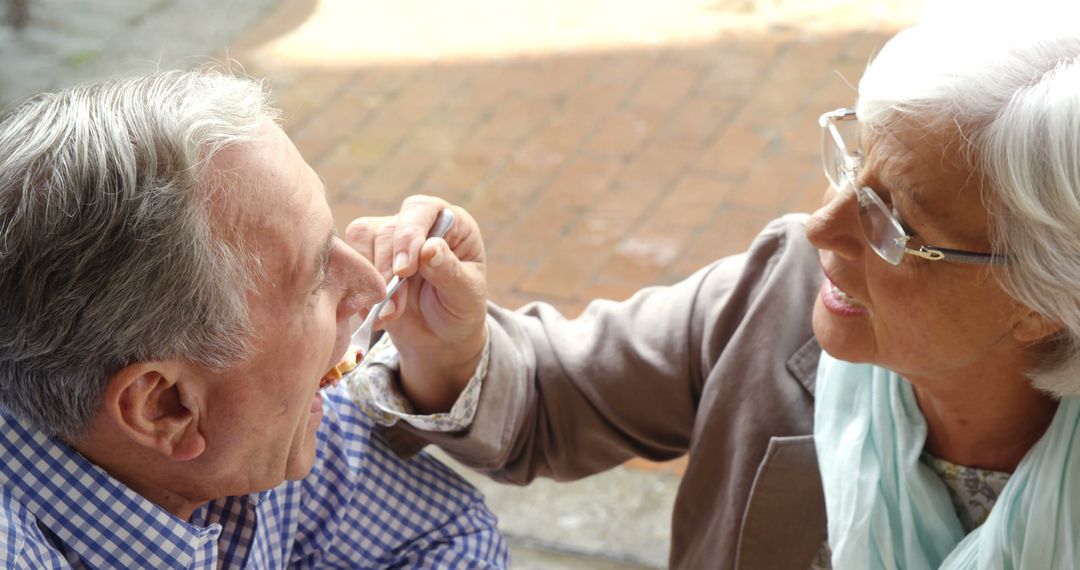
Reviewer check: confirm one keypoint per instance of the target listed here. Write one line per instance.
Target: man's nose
(364, 285)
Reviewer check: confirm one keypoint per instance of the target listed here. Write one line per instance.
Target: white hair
(108, 251)
(1013, 97)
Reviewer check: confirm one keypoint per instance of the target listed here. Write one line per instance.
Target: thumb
(460, 286)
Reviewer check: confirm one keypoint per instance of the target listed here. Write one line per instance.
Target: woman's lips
(838, 302)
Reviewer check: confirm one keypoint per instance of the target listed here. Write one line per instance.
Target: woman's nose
(835, 225)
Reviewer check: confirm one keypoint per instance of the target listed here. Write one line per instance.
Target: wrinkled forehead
(253, 205)
(923, 150)
(925, 167)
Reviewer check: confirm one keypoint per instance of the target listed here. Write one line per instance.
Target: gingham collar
(96, 517)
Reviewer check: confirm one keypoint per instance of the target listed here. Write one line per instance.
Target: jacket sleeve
(566, 398)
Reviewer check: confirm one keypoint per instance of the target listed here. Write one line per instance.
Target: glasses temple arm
(957, 256)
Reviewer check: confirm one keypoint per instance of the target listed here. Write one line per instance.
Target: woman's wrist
(433, 379)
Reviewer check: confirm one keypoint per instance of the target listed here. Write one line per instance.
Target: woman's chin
(839, 337)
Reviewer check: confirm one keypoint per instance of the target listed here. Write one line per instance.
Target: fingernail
(401, 260)
(387, 310)
(437, 259)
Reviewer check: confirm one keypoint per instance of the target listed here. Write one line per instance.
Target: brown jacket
(720, 366)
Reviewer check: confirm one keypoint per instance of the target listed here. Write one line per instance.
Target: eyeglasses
(879, 222)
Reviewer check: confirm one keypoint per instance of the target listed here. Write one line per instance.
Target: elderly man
(171, 295)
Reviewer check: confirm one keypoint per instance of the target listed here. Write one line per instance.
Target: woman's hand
(437, 316)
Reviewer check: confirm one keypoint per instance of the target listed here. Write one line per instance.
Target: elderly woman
(941, 278)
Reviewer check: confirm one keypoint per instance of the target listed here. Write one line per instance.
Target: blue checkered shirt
(361, 507)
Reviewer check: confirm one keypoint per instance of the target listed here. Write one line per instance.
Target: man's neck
(140, 474)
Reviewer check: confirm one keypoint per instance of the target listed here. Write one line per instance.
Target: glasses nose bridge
(835, 226)
(834, 143)
(853, 215)
(839, 199)
(852, 165)
(851, 160)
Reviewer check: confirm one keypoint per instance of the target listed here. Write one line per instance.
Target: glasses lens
(832, 156)
(879, 226)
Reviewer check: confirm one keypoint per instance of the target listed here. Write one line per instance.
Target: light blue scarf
(887, 510)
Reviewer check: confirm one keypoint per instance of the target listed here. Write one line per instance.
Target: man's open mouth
(346, 364)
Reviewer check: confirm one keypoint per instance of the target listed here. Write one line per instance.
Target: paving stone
(618, 519)
(65, 43)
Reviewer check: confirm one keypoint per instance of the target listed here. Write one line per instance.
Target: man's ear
(147, 402)
(1031, 327)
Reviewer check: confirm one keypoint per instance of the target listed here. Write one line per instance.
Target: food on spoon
(347, 363)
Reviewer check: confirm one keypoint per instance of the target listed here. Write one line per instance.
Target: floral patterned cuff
(374, 386)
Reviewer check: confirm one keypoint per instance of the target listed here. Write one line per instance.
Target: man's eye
(324, 280)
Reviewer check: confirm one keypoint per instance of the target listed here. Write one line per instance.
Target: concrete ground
(603, 145)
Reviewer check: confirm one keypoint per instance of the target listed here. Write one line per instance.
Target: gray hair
(108, 253)
(1013, 97)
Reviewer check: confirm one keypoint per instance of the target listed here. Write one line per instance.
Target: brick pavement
(592, 174)
(595, 172)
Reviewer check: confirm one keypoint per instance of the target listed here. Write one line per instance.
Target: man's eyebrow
(322, 262)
